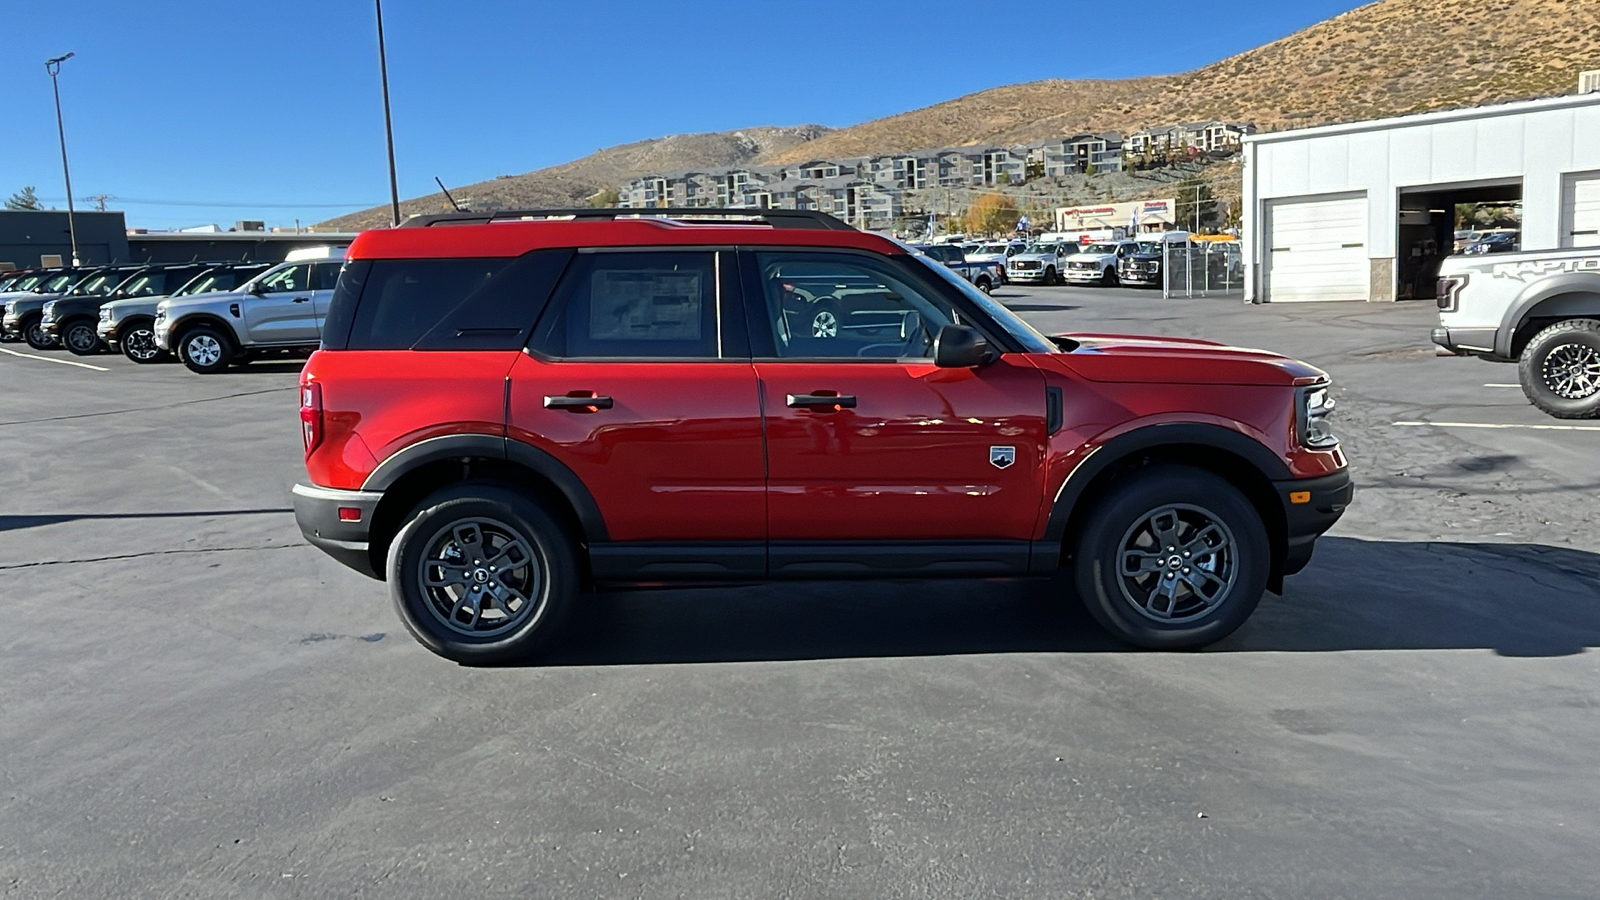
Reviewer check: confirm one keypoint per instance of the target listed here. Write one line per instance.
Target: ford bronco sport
(509, 409)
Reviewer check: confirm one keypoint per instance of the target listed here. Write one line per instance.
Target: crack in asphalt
(147, 553)
(119, 412)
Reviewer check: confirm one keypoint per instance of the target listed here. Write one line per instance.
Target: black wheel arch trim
(180, 329)
(1536, 293)
(1123, 446)
(455, 446)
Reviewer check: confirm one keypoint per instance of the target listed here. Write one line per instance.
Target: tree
(1197, 206)
(24, 199)
(605, 198)
(992, 214)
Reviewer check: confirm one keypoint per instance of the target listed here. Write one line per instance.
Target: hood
(1036, 257)
(1093, 257)
(201, 299)
(149, 300)
(1155, 360)
(31, 301)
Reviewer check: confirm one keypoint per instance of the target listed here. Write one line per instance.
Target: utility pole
(388, 125)
(53, 66)
(100, 201)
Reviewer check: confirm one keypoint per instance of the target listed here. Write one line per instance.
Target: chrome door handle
(577, 402)
(821, 401)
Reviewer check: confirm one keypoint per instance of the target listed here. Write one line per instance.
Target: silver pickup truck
(1540, 310)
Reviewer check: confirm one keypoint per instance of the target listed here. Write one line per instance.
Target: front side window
(292, 278)
(98, 285)
(658, 305)
(147, 284)
(843, 306)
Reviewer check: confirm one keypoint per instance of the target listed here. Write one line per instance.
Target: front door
(280, 311)
(866, 437)
(639, 380)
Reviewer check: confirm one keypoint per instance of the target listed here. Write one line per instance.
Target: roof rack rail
(777, 218)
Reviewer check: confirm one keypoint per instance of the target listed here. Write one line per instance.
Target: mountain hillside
(1386, 58)
(572, 184)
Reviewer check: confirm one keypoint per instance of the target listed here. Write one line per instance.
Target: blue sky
(195, 111)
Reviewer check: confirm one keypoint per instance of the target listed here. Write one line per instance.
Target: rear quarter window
(441, 304)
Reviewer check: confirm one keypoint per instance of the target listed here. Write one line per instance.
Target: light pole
(388, 126)
(53, 66)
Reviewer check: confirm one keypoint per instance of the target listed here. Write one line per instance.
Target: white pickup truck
(1540, 310)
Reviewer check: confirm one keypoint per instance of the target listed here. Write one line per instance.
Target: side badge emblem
(1002, 457)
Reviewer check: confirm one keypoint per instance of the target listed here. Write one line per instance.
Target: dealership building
(1366, 210)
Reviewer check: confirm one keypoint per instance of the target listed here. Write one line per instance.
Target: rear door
(638, 379)
(281, 312)
(867, 439)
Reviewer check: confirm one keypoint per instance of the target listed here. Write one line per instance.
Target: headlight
(1314, 408)
(105, 315)
(50, 307)
(161, 313)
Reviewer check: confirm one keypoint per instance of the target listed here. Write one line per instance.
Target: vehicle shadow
(1040, 307)
(19, 523)
(1513, 599)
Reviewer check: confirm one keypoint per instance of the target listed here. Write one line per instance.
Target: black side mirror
(959, 347)
(256, 288)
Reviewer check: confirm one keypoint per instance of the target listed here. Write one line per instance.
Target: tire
(1050, 276)
(1110, 279)
(1188, 601)
(1560, 369)
(78, 336)
(33, 332)
(824, 321)
(137, 340)
(205, 349)
(985, 285)
(510, 525)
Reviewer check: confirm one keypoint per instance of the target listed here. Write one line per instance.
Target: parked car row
(208, 315)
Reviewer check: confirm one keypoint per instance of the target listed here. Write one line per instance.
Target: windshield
(216, 280)
(1106, 249)
(992, 249)
(1030, 339)
(1037, 247)
(56, 284)
(98, 285)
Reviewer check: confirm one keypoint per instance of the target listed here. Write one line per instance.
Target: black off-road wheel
(1172, 558)
(137, 340)
(481, 575)
(33, 332)
(1560, 369)
(1110, 279)
(205, 349)
(78, 336)
(985, 285)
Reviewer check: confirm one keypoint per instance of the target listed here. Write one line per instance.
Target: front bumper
(1085, 276)
(316, 511)
(1025, 276)
(1466, 341)
(11, 325)
(1323, 501)
(1139, 277)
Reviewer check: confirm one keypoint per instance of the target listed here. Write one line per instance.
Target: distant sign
(1151, 215)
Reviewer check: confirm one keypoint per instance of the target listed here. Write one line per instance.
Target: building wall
(1538, 141)
(26, 235)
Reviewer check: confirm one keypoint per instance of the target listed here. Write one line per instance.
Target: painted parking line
(62, 362)
(1498, 426)
(1504, 385)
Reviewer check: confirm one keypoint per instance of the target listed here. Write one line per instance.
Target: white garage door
(1582, 210)
(1317, 250)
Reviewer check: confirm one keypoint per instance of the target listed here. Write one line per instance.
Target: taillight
(311, 415)
(1448, 292)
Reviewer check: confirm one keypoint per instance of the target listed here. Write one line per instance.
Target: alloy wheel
(140, 344)
(1572, 371)
(480, 577)
(204, 349)
(81, 339)
(824, 325)
(1177, 563)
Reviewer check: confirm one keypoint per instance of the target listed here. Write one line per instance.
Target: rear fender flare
(1548, 288)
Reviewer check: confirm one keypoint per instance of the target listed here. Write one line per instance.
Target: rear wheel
(984, 284)
(1560, 369)
(205, 349)
(1172, 558)
(138, 341)
(33, 332)
(79, 337)
(480, 574)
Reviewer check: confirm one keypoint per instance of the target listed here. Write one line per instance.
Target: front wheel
(1172, 558)
(205, 349)
(33, 332)
(138, 342)
(1560, 369)
(1109, 279)
(1050, 276)
(79, 337)
(480, 574)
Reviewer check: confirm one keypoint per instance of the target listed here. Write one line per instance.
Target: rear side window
(324, 275)
(653, 305)
(441, 304)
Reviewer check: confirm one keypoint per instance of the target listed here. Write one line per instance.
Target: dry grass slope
(1386, 58)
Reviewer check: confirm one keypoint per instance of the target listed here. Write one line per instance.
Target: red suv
(510, 409)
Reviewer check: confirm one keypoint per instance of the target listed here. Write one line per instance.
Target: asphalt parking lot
(193, 702)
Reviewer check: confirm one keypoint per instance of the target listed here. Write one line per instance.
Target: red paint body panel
(677, 457)
(1124, 358)
(912, 460)
(513, 238)
(378, 402)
